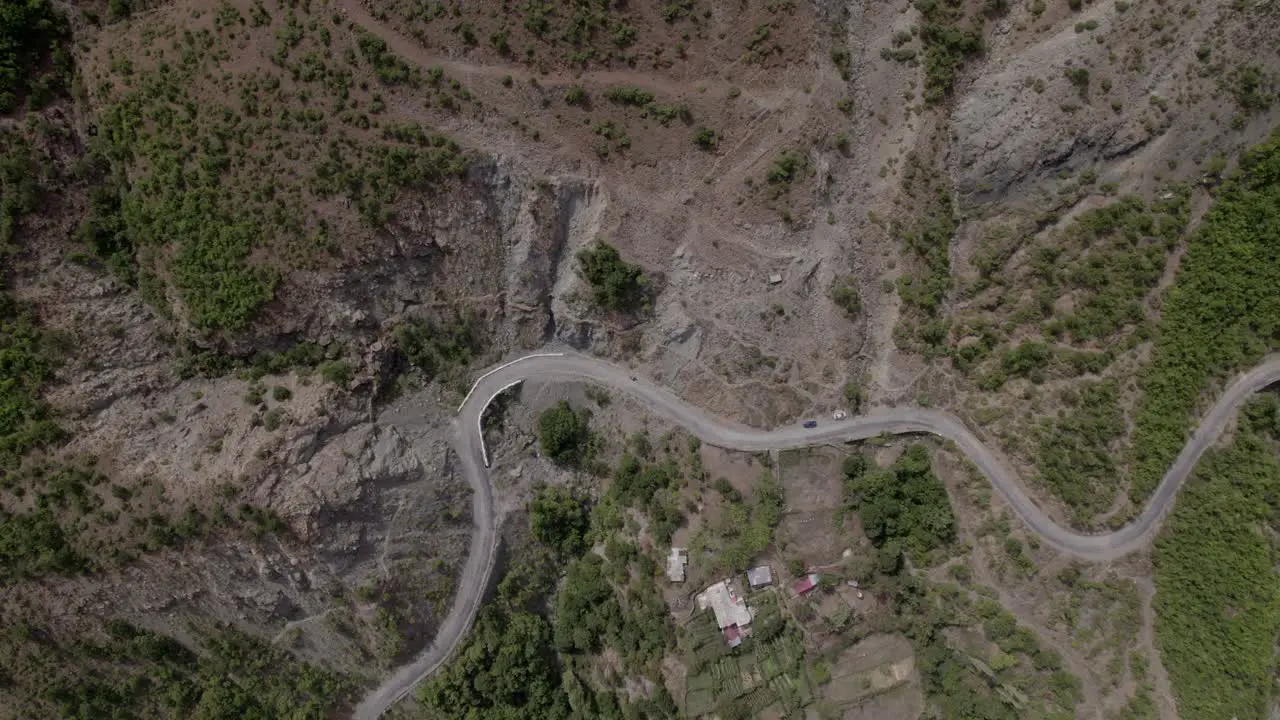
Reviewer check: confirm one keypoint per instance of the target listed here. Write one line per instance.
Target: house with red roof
(805, 584)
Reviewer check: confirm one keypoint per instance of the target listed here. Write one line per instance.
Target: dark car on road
(811, 423)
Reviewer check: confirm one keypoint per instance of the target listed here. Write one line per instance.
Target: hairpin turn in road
(570, 366)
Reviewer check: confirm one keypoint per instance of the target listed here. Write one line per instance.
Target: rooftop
(727, 603)
(676, 563)
(806, 583)
(760, 576)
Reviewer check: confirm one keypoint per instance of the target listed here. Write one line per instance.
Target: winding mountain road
(571, 366)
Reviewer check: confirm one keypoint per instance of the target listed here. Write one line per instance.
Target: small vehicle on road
(811, 423)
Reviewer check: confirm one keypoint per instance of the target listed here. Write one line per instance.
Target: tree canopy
(565, 434)
(904, 507)
(559, 519)
(30, 30)
(615, 284)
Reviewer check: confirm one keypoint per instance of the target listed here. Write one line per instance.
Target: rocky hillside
(235, 232)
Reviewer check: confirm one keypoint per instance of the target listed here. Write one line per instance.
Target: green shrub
(616, 284)
(946, 45)
(628, 95)
(575, 95)
(666, 113)
(432, 347)
(1029, 359)
(390, 69)
(845, 295)
(786, 168)
(854, 395)
(564, 435)
(106, 233)
(748, 529)
(841, 59)
(19, 185)
(271, 421)
(33, 544)
(706, 138)
(1251, 89)
(337, 372)
(26, 421)
(1074, 451)
(560, 520)
(1078, 77)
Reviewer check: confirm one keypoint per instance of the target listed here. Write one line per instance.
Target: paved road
(570, 366)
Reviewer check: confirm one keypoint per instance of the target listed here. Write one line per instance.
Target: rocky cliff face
(355, 528)
(759, 181)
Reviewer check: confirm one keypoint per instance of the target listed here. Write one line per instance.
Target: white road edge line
(1098, 548)
(484, 452)
(476, 384)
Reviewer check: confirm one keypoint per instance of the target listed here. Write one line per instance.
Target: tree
(845, 295)
(586, 608)
(903, 507)
(30, 31)
(559, 519)
(565, 434)
(616, 284)
(505, 670)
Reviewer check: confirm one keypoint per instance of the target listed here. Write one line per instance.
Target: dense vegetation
(19, 187)
(1014, 679)
(1222, 315)
(432, 347)
(1084, 289)
(747, 528)
(925, 239)
(128, 673)
(948, 39)
(564, 434)
(531, 652)
(31, 32)
(1217, 594)
(1074, 451)
(26, 421)
(505, 670)
(26, 356)
(1110, 258)
(546, 32)
(904, 508)
(654, 489)
(559, 519)
(615, 284)
(591, 615)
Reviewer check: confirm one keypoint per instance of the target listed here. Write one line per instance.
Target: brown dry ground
(547, 178)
